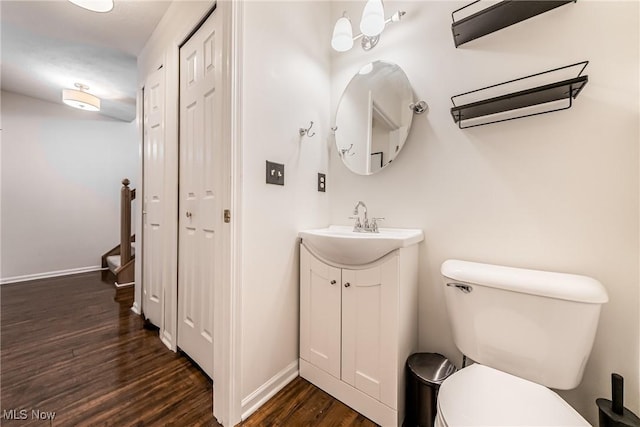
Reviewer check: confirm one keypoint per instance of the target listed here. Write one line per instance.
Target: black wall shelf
(498, 16)
(566, 89)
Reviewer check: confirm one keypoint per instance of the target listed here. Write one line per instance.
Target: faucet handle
(374, 223)
(358, 225)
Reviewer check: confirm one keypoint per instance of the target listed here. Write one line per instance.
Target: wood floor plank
(71, 345)
(302, 404)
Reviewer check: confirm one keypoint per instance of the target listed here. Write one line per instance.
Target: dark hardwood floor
(302, 404)
(71, 346)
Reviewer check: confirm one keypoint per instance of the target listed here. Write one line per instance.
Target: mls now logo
(15, 414)
(23, 414)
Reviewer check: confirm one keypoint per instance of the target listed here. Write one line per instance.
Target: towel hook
(347, 151)
(306, 131)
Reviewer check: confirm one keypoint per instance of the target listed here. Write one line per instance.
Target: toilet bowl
(528, 330)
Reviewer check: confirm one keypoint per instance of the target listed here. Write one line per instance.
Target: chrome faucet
(364, 226)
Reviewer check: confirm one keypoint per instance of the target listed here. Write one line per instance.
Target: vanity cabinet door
(369, 330)
(319, 313)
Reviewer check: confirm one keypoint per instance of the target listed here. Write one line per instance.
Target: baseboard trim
(266, 391)
(136, 308)
(49, 274)
(165, 337)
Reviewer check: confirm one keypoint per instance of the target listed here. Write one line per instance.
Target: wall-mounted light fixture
(94, 5)
(372, 24)
(81, 99)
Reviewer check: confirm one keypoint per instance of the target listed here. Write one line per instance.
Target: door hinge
(227, 216)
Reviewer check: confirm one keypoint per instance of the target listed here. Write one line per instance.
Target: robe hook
(347, 151)
(306, 131)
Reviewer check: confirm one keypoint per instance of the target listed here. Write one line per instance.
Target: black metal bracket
(566, 89)
(497, 17)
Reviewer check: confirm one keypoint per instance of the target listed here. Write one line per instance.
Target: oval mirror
(374, 117)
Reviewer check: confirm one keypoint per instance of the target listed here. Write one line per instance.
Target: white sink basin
(340, 244)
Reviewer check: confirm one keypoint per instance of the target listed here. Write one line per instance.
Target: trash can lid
(430, 368)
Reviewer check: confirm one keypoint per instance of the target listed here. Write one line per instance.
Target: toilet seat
(482, 396)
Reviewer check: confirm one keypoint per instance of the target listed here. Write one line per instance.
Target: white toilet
(526, 330)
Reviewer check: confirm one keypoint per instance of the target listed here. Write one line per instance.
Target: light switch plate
(275, 173)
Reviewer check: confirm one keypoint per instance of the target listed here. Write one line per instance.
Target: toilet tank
(537, 325)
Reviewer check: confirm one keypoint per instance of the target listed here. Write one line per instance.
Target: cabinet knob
(333, 282)
(346, 285)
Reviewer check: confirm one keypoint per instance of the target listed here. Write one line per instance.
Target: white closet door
(200, 211)
(154, 220)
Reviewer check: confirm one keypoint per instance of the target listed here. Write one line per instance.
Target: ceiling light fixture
(81, 99)
(94, 5)
(372, 24)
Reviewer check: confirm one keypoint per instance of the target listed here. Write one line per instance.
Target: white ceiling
(50, 45)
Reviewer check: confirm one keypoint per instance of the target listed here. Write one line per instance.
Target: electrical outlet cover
(322, 182)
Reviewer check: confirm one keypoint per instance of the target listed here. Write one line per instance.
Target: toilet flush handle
(464, 288)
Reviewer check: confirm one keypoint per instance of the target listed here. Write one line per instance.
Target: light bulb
(342, 39)
(372, 22)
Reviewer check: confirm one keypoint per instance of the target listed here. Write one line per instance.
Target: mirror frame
(381, 122)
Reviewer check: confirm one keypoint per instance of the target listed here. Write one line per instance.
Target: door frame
(227, 319)
(137, 263)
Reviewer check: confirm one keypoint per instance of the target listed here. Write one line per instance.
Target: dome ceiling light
(80, 98)
(94, 5)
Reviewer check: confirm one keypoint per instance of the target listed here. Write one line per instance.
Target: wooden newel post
(125, 222)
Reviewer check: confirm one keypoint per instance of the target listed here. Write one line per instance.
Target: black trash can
(425, 373)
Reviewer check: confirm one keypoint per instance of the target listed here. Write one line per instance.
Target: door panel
(369, 314)
(319, 313)
(200, 217)
(154, 227)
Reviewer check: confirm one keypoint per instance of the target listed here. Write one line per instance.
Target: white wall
(286, 85)
(556, 192)
(61, 178)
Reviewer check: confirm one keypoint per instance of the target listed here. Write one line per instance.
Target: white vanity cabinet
(358, 326)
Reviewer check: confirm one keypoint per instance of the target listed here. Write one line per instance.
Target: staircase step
(113, 262)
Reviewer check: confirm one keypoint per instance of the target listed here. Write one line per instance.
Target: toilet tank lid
(571, 287)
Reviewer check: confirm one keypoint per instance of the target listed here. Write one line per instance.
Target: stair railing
(127, 195)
